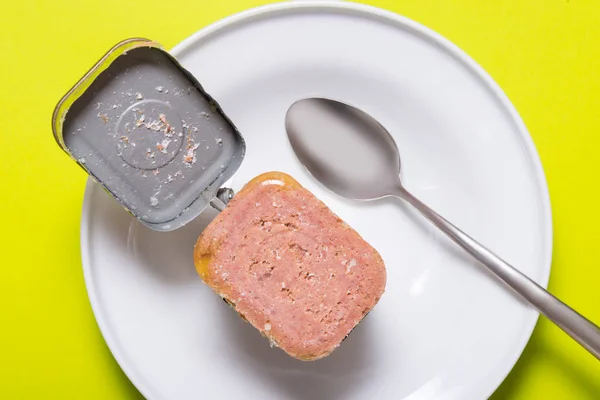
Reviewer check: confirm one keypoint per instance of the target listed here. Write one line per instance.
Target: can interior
(146, 130)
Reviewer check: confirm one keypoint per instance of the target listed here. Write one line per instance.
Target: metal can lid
(145, 129)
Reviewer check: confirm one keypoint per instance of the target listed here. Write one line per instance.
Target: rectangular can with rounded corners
(144, 128)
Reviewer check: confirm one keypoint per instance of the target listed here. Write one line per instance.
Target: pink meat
(290, 266)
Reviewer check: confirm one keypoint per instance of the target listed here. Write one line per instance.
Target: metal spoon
(354, 156)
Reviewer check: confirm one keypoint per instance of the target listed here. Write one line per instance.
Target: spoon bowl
(353, 155)
(344, 148)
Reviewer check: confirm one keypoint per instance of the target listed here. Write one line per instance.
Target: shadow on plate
(167, 255)
(331, 378)
(450, 248)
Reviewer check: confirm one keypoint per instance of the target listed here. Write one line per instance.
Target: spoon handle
(577, 326)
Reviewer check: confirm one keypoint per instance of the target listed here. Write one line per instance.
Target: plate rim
(270, 10)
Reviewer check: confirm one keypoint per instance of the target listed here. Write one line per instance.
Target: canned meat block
(290, 266)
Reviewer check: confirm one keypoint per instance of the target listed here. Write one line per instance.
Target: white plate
(444, 329)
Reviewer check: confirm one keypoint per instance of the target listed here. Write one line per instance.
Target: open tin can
(144, 129)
